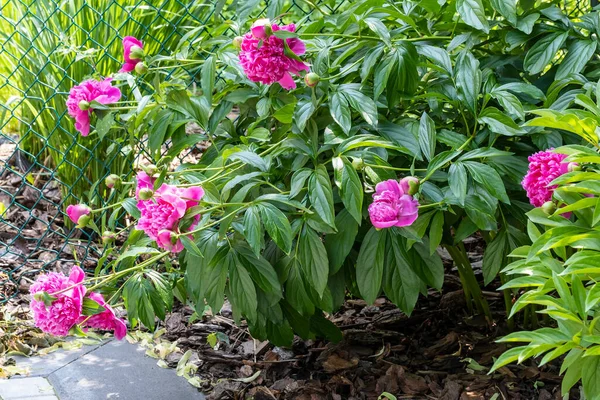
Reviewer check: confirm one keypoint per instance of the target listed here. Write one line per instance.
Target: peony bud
(311, 79)
(548, 208)
(84, 105)
(150, 169)
(410, 185)
(237, 42)
(141, 68)
(108, 237)
(146, 193)
(574, 167)
(358, 164)
(112, 180)
(136, 53)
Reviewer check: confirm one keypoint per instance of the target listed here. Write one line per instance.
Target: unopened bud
(141, 68)
(237, 42)
(311, 79)
(84, 105)
(150, 169)
(112, 180)
(548, 208)
(136, 53)
(358, 164)
(108, 237)
(146, 193)
(410, 185)
(573, 166)
(83, 221)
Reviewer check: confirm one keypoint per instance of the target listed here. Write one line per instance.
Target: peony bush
(340, 155)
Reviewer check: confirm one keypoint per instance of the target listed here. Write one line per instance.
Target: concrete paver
(36, 388)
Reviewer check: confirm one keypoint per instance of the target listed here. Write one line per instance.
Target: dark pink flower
(83, 94)
(164, 212)
(544, 167)
(263, 57)
(64, 312)
(106, 320)
(392, 206)
(77, 211)
(130, 59)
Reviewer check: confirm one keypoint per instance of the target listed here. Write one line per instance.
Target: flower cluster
(393, 205)
(162, 213)
(57, 305)
(101, 91)
(80, 97)
(263, 55)
(544, 167)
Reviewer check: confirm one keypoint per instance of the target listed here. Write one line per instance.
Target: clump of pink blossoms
(106, 320)
(80, 97)
(392, 205)
(263, 58)
(132, 53)
(160, 215)
(64, 312)
(544, 167)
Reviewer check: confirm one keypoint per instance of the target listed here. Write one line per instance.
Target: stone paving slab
(36, 388)
(119, 370)
(47, 364)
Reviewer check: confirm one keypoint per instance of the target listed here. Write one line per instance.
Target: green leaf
(436, 231)
(369, 266)
(190, 246)
(400, 283)
(208, 78)
(250, 158)
(158, 130)
(457, 179)
(508, 357)
(350, 185)
(427, 266)
(590, 376)
(439, 161)
(298, 180)
(216, 277)
(494, 256)
(91, 307)
(364, 105)
(303, 113)
(320, 194)
(338, 245)
(382, 74)
(262, 272)
(340, 111)
(313, 257)
(104, 124)
(509, 102)
(283, 34)
(526, 23)
(579, 53)
(242, 290)
(438, 55)
(489, 178)
(252, 228)
(543, 51)
(285, 114)
(506, 8)
(427, 136)
(277, 225)
(325, 328)
(500, 123)
(136, 251)
(468, 79)
(130, 205)
(379, 28)
(473, 13)
(295, 292)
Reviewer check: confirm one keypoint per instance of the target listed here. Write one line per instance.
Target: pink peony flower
(130, 59)
(106, 320)
(64, 312)
(392, 206)
(83, 94)
(77, 211)
(161, 215)
(544, 167)
(263, 59)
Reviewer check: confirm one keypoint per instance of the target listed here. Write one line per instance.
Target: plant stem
(106, 207)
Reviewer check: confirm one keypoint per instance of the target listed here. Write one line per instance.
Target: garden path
(111, 370)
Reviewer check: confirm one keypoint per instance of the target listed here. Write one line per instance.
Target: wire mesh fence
(47, 46)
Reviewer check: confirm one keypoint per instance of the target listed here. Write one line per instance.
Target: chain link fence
(46, 47)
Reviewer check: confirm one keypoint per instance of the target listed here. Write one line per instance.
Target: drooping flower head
(76, 211)
(106, 320)
(392, 206)
(160, 215)
(58, 317)
(132, 53)
(544, 167)
(263, 57)
(80, 97)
